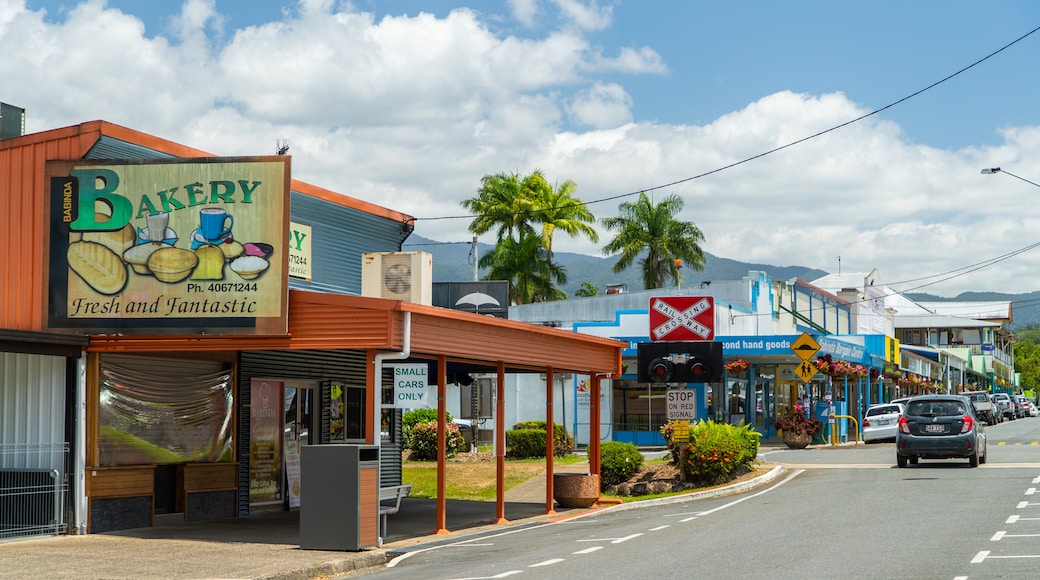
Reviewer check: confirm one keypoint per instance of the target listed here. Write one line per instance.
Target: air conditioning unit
(398, 276)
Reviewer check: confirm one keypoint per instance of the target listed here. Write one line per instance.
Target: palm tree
(504, 201)
(510, 204)
(524, 263)
(587, 289)
(556, 208)
(643, 227)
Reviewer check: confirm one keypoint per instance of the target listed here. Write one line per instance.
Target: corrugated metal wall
(22, 193)
(32, 404)
(339, 235)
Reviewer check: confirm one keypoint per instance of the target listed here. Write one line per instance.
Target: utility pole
(473, 258)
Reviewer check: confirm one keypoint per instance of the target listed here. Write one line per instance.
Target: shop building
(757, 320)
(180, 324)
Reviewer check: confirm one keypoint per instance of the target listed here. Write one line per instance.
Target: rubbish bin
(339, 497)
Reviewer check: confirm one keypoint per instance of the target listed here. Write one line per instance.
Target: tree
(504, 201)
(645, 229)
(587, 289)
(556, 208)
(1027, 356)
(532, 277)
(511, 205)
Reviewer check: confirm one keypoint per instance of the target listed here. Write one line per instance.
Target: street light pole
(993, 170)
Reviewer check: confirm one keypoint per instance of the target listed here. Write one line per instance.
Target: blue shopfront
(769, 385)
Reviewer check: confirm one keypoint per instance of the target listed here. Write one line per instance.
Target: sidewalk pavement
(266, 546)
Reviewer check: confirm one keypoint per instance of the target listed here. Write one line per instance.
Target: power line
(776, 149)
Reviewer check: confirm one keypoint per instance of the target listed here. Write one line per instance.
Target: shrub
(409, 419)
(525, 443)
(717, 451)
(563, 442)
(424, 441)
(618, 462)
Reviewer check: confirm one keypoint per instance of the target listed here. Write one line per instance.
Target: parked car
(1021, 406)
(1007, 406)
(940, 427)
(998, 408)
(984, 407)
(880, 422)
(1033, 411)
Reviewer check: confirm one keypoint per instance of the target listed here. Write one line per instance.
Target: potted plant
(736, 366)
(796, 428)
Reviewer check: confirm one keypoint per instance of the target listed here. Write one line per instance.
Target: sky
(843, 136)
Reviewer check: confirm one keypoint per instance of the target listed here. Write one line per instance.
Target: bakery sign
(171, 246)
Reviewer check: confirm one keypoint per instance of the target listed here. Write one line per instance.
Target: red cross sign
(682, 318)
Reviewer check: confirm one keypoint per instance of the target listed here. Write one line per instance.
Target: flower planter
(797, 440)
(575, 490)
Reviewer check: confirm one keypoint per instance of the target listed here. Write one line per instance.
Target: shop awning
(319, 321)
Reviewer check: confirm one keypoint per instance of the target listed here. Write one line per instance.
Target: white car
(881, 422)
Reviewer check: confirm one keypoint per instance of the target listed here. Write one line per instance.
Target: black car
(940, 427)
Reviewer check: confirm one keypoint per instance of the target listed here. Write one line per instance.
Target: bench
(393, 494)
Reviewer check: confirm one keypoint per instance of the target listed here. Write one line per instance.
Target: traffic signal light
(679, 362)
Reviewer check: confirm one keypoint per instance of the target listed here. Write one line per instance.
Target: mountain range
(452, 263)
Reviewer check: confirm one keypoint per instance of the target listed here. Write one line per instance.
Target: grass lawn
(473, 480)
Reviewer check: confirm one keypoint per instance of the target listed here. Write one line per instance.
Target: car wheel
(985, 455)
(901, 460)
(973, 460)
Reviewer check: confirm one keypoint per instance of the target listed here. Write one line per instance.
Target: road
(836, 512)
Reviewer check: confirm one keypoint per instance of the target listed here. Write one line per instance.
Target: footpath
(266, 546)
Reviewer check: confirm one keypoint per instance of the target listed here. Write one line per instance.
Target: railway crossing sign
(682, 318)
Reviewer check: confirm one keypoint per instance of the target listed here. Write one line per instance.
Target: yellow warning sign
(680, 431)
(806, 371)
(805, 346)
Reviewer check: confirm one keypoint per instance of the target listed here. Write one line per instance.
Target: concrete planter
(575, 490)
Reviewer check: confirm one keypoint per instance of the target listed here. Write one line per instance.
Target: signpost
(806, 347)
(681, 404)
(682, 318)
(410, 385)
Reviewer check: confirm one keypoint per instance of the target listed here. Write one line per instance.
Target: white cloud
(590, 16)
(409, 112)
(601, 106)
(524, 11)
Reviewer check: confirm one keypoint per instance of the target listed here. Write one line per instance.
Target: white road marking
(764, 491)
(1011, 520)
(547, 563)
(501, 575)
(684, 520)
(1031, 491)
(980, 557)
(1007, 535)
(997, 536)
(588, 550)
(611, 540)
(659, 528)
(1036, 479)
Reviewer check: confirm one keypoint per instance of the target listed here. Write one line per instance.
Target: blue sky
(409, 110)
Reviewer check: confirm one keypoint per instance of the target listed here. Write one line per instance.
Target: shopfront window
(159, 419)
(347, 413)
(639, 406)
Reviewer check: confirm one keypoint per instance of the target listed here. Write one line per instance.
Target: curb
(694, 495)
(334, 567)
